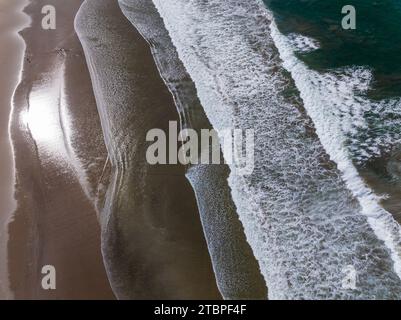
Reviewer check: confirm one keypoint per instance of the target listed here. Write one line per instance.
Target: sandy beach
(55, 222)
(12, 19)
(87, 202)
(93, 176)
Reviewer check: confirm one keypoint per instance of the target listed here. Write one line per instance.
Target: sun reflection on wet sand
(43, 118)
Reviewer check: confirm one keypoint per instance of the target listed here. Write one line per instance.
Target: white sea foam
(300, 218)
(302, 44)
(335, 109)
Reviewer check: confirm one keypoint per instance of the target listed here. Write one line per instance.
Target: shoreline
(12, 48)
(236, 269)
(55, 221)
(77, 192)
(152, 238)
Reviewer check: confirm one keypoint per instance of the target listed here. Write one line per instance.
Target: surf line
(383, 224)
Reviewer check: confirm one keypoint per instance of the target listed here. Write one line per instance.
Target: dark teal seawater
(376, 42)
(375, 148)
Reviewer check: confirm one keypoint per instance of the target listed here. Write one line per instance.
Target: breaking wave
(307, 214)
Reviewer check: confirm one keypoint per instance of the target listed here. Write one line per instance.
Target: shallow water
(235, 267)
(152, 239)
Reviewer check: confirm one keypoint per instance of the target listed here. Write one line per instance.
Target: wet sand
(152, 238)
(12, 19)
(56, 173)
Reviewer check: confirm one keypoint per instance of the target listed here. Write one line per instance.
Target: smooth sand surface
(12, 19)
(55, 222)
(152, 238)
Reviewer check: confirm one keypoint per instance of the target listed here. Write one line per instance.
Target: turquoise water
(375, 43)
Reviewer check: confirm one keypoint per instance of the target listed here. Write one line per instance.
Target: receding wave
(236, 269)
(147, 230)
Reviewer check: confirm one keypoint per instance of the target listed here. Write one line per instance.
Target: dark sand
(55, 222)
(152, 238)
(12, 19)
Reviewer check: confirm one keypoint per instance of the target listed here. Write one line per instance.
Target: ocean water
(325, 107)
(374, 44)
(358, 72)
(308, 211)
(354, 108)
(369, 55)
(349, 81)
